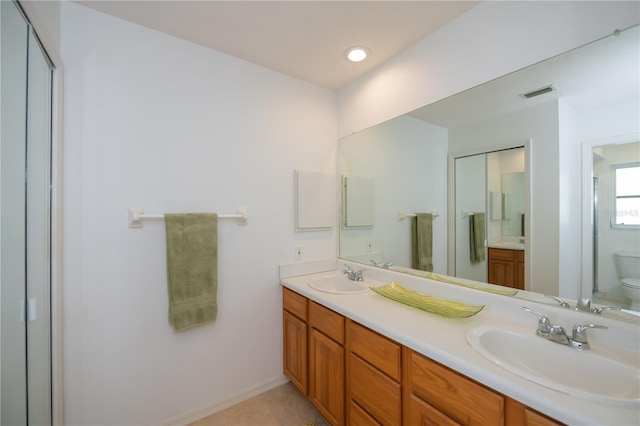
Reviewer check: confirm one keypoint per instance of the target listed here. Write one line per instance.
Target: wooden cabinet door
(502, 267)
(423, 414)
(295, 350)
(502, 272)
(520, 270)
(326, 376)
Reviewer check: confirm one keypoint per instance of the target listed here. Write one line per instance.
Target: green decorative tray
(443, 307)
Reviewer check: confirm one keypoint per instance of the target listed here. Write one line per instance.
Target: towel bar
(137, 216)
(402, 214)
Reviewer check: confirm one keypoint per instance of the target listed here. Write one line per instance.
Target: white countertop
(507, 246)
(444, 340)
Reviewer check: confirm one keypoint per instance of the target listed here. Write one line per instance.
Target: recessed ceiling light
(356, 54)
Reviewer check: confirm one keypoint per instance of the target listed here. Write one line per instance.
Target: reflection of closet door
(25, 226)
(470, 196)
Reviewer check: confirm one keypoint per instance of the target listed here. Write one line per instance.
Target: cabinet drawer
(374, 391)
(501, 254)
(327, 321)
(294, 303)
(460, 398)
(377, 350)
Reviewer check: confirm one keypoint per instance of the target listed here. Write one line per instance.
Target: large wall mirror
(506, 156)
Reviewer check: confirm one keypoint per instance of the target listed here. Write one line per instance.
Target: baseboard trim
(216, 406)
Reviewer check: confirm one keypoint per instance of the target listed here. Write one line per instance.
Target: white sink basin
(338, 285)
(586, 374)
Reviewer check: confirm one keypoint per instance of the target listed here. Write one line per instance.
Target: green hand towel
(422, 242)
(192, 268)
(476, 237)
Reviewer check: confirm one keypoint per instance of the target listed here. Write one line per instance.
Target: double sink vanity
(362, 358)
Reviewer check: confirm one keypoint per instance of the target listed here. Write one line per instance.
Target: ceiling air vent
(537, 92)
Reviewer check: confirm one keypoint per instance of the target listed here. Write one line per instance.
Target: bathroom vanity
(506, 267)
(361, 358)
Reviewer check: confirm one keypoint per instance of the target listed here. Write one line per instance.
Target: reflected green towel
(476, 237)
(192, 268)
(422, 242)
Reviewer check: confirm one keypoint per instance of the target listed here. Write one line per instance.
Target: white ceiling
(303, 39)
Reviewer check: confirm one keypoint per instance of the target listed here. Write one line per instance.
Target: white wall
(609, 122)
(491, 40)
(513, 129)
(404, 157)
(569, 204)
(154, 121)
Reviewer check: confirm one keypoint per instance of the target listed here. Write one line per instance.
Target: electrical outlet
(369, 246)
(298, 253)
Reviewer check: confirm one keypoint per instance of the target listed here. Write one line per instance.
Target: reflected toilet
(628, 269)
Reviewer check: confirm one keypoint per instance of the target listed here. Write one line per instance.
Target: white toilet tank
(627, 264)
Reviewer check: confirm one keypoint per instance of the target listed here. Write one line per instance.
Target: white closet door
(25, 224)
(38, 235)
(13, 371)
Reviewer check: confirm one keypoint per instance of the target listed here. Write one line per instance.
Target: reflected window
(626, 192)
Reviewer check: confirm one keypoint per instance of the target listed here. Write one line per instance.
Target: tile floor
(281, 406)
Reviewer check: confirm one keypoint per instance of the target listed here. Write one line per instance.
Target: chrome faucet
(381, 265)
(353, 275)
(585, 305)
(557, 334)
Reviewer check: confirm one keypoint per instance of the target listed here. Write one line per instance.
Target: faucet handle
(544, 323)
(579, 339)
(562, 303)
